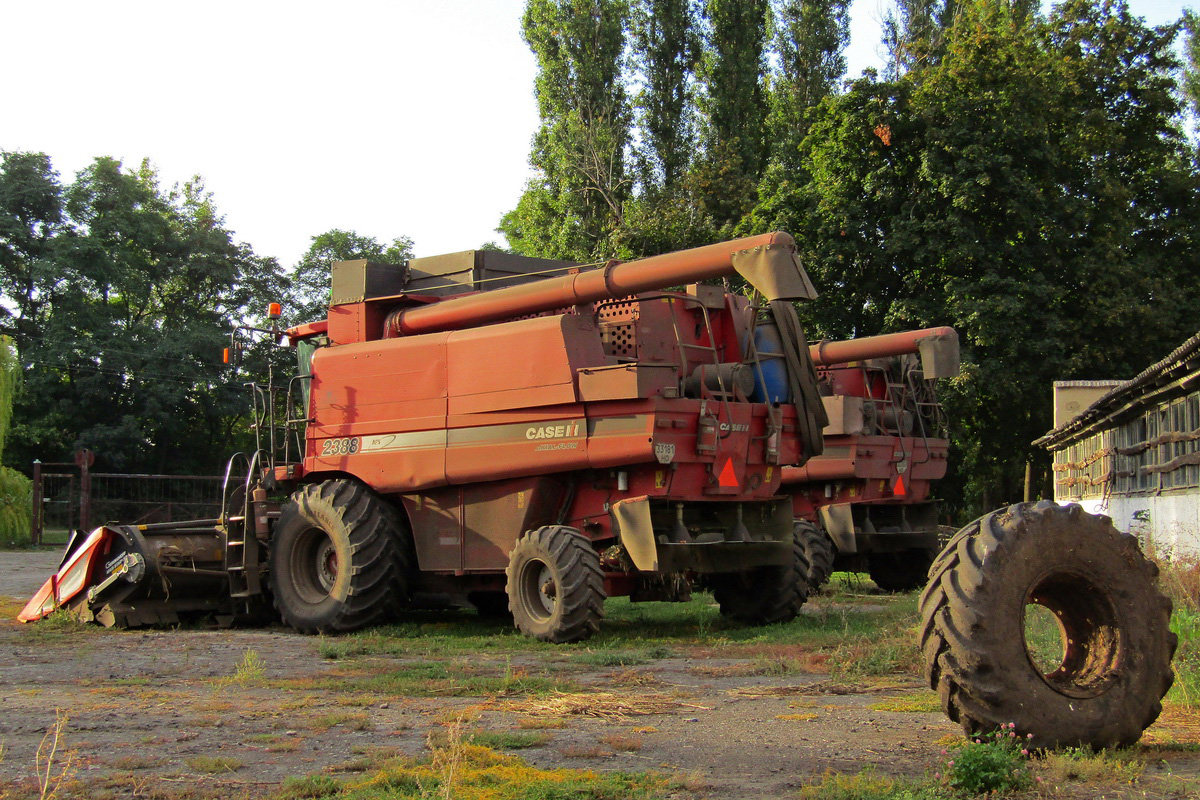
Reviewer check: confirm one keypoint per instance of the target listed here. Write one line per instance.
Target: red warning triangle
(727, 477)
(900, 489)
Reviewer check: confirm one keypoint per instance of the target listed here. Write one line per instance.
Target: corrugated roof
(1175, 368)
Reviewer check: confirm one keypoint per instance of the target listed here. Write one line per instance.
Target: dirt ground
(148, 704)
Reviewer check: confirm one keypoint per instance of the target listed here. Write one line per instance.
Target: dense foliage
(119, 296)
(1025, 178)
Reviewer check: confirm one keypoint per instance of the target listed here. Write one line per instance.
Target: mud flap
(771, 544)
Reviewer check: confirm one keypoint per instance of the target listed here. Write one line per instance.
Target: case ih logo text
(553, 431)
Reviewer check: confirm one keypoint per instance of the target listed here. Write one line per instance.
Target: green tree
(666, 50)
(734, 109)
(576, 200)
(1191, 49)
(810, 40)
(125, 358)
(1031, 188)
(15, 489)
(309, 297)
(914, 33)
(31, 216)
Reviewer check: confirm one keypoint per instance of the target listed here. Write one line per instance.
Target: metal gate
(69, 495)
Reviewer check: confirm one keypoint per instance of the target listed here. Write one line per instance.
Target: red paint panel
(436, 519)
(393, 386)
(520, 364)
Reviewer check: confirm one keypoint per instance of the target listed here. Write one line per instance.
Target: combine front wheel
(1093, 673)
(555, 585)
(339, 559)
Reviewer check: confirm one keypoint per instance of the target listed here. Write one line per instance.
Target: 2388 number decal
(341, 447)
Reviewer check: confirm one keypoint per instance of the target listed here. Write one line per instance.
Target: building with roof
(1131, 450)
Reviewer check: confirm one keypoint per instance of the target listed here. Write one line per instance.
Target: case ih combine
(548, 442)
(863, 505)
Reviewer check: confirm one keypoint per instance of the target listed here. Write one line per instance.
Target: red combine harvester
(533, 448)
(863, 505)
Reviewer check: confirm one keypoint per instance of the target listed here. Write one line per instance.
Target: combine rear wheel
(339, 559)
(555, 585)
(901, 571)
(818, 553)
(766, 595)
(1096, 676)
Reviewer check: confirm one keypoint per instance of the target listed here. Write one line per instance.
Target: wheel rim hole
(1071, 635)
(1045, 641)
(314, 566)
(540, 589)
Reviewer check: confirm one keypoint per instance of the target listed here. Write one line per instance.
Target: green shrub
(16, 508)
(995, 763)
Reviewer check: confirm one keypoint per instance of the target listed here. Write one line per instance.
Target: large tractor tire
(766, 595)
(339, 559)
(555, 585)
(817, 553)
(1111, 653)
(901, 571)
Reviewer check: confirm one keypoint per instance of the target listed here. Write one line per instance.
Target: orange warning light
(274, 311)
(225, 356)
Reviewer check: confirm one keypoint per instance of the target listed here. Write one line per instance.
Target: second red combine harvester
(864, 504)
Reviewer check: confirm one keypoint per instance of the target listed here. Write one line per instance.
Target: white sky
(393, 117)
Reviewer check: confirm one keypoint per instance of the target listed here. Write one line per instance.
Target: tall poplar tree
(810, 42)
(914, 33)
(666, 50)
(576, 200)
(734, 107)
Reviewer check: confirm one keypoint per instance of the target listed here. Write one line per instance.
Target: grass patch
(312, 787)
(459, 768)
(541, 723)
(623, 743)
(250, 671)
(431, 679)
(353, 720)
(1180, 580)
(214, 765)
(59, 626)
(867, 785)
(1084, 766)
(508, 740)
(631, 632)
(610, 658)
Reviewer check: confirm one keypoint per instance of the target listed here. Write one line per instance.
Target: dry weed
(622, 743)
(54, 764)
(604, 705)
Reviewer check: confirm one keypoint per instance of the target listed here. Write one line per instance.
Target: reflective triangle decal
(899, 488)
(727, 477)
